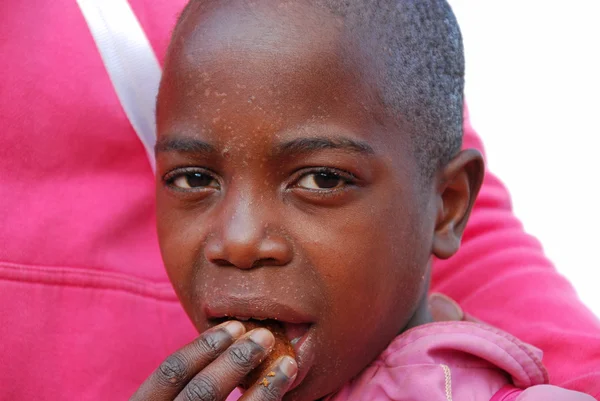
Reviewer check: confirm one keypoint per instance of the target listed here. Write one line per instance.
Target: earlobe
(457, 188)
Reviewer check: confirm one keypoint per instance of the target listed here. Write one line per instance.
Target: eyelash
(348, 179)
(170, 178)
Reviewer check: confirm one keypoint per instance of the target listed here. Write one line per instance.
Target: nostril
(222, 263)
(266, 262)
(257, 263)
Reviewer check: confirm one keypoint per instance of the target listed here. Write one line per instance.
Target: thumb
(444, 309)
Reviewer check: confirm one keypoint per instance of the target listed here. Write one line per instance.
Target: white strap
(130, 62)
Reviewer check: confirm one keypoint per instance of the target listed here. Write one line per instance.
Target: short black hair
(419, 45)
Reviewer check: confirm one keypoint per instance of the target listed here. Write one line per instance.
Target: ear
(457, 187)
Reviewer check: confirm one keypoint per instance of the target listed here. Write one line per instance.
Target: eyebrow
(308, 145)
(295, 146)
(183, 145)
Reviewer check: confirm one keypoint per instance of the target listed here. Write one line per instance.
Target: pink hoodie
(457, 360)
(454, 361)
(86, 309)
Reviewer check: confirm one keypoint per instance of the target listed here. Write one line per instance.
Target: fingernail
(262, 337)
(444, 308)
(235, 329)
(289, 367)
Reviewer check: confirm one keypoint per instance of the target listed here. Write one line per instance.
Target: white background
(533, 89)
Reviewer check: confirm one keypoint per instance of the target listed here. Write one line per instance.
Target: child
(309, 167)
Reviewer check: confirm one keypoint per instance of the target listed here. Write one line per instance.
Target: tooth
(242, 318)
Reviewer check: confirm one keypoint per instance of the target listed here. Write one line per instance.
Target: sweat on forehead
(414, 46)
(267, 57)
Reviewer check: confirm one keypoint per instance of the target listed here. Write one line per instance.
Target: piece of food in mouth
(263, 372)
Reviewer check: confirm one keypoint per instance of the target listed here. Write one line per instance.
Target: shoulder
(445, 361)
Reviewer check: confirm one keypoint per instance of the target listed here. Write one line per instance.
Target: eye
(190, 180)
(322, 180)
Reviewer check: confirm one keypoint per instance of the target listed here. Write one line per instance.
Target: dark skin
(286, 192)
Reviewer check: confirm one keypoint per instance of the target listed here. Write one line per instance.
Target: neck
(422, 314)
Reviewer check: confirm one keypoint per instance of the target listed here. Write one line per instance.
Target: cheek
(378, 271)
(378, 254)
(373, 265)
(179, 237)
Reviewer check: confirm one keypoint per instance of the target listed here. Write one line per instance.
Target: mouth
(295, 332)
(297, 326)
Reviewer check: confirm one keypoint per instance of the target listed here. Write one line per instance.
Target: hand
(210, 368)
(445, 309)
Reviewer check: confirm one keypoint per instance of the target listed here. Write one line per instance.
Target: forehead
(262, 25)
(289, 31)
(253, 43)
(285, 49)
(241, 67)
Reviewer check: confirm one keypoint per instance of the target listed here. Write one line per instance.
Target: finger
(220, 378)
(178, 369)
(444, 309)
(276, 383)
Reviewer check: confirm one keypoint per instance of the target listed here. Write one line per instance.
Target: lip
(257, 307)
(305, 355)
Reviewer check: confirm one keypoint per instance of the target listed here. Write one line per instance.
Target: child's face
(283, 192)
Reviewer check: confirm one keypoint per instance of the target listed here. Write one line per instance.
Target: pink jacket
(86, 309)
(454, 361)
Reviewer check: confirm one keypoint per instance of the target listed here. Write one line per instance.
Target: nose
(246, 237)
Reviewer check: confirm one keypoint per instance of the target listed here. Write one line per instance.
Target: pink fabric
(458, 360)
(86, 310)
(507, 393)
